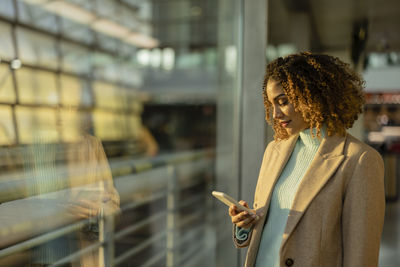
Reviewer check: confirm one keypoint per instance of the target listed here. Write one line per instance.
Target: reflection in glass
(109, 126)
(75, 91)
(6, 46)
(75, 58)
(7, 8)
(7, 93)
(36, 86)
(106, 8)
(37, 16)
(105, 66)
(73, 123)
(36, 124)
(7, 133)
(36, 48)
(106, 95)
(76, 31)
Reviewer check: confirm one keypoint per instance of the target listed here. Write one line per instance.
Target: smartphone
(228, 200)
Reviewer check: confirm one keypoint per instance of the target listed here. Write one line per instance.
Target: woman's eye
(282, 102)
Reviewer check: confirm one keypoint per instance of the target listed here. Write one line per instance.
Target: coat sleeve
(241, 237)
(363, 212)
(244, 242)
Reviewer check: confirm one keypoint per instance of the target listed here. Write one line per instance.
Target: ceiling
(330, 24)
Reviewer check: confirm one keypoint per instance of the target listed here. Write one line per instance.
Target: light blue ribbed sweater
(282, 197)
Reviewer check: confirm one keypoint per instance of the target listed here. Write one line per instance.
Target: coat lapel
(327, 159)
(269, 174)
(274, 167)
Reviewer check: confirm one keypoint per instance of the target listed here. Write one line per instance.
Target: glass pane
(76, 31)
(75, 91)
(108, 126)
(7, 93)
(36, 86)
(106, 8)
(7, 8)
(108, 43)
(105, 67)
(131, 75)
(36, 125)
(105, 95)
(36, 16)
(6, 45)
(75, 58)
(37, 49)
(74, 124)
(7, 133)
(134, 123)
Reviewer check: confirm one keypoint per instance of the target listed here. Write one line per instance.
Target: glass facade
(109, 140)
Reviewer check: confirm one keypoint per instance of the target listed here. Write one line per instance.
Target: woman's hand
(243, 219)
(83, 208)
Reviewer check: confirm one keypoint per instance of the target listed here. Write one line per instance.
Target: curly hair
(325, 90)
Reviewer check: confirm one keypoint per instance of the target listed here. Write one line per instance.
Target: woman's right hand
(243, 219)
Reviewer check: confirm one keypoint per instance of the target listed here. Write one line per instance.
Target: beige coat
(337, 214)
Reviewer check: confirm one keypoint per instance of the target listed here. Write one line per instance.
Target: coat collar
(326, 161)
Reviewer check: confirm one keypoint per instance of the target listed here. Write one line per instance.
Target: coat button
(289, 262)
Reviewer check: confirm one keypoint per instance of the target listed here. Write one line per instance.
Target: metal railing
(165, 177)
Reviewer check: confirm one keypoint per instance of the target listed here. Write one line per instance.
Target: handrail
(138, 248)
(78, 254)
(190, 218)
(43, 238)
(19, 187)
(190, 201)
(141, 202)
(154, 259)
(174, 160)
(136, 226)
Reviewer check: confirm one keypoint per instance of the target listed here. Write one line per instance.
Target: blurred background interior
(152, 104)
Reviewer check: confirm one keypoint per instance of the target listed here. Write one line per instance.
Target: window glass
(7, 133)
(105, 95)
(73, 123)
(7, 93)
(36, 48)
(76, 31)
(106, 8)
(7, 8)
(131, 75)
(75, 91)
(129, 18)
(37, 86)
(134, 123)
(75, 58)
(6, 45)
(36, 124)
(107, 43)
(105, 67)
(37, 16)
(108, 126)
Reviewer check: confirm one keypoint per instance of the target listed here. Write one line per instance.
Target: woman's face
(282, 110)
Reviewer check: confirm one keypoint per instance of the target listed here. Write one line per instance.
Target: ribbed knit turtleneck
(282, 197)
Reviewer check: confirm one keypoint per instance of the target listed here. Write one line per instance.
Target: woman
(320, 196)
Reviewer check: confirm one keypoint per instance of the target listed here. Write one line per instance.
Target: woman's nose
(277, 113)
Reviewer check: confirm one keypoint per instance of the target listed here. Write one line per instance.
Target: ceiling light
(141, 40)
(16, 64)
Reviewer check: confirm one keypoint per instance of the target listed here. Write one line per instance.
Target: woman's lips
(285, 123)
